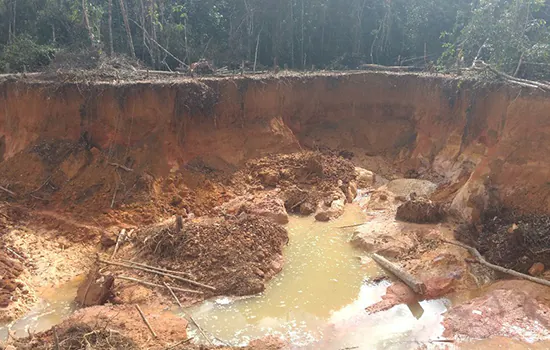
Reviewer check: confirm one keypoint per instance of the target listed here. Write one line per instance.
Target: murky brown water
(54, 305)
(319, 298)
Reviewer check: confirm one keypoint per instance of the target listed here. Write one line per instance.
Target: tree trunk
(154, 32)
(144, 36)
(13, 31)
(111, 46)
(87, 21)
(292, 33)
(303, 57)
(187, 56)
(127, 26)
(257, 46)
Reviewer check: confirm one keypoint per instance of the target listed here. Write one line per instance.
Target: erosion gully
(317, 301)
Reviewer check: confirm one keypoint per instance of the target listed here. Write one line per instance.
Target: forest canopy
(511, 35)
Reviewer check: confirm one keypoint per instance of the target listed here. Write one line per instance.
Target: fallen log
(150, 284)
(416, 285)
(480, 259)
(186, 280)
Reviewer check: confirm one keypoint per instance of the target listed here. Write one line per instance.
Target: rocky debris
(500, 312)
(350, 191)
(267, 204)
(404, 187)
(365, 178)
(420, 211)
(108, 239)
(306, 178)
(269, 177)
(331, 208)
(537, 269)
(385, 244)
(95, 290)
(307, 208)
(224, 253)
(379, 200)
(272, 208)
(397, 293)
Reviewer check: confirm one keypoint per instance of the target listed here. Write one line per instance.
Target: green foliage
(297, 33)
(25, 54)
(510, 35)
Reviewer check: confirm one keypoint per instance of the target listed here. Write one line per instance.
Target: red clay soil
(108, 327)
(506, 311)
(10, 269)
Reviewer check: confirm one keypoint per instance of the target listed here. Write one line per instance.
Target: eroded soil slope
(201, 173)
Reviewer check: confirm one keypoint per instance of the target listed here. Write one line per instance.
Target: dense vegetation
(513, 35)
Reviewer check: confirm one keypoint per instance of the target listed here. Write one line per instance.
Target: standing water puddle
(319, 299)
(317, 302)
(55, 304)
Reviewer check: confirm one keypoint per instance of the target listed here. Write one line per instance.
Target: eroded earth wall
(486, 142)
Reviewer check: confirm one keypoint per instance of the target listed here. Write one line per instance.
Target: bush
(24, 54)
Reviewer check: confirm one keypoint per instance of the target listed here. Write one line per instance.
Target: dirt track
(228, 157)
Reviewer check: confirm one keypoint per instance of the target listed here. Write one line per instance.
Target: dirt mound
(112, 327)
(510, 240)
(236, 256)
(420, 211)
(77, 336)
(305, 177)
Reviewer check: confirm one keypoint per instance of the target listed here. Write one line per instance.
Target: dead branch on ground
(120, 166)
(195, 283)
(8, 191)
(480, 259)
(158, 268)
(150, 284)
(183, 310)
(181, 342)
(146, 322)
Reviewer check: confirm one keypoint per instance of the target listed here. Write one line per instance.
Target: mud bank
(196, 177)
(487, 141)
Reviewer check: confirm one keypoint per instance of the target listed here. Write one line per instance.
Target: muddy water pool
(53, 306)
(318, 301)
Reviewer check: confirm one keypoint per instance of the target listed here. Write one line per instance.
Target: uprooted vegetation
(509, 239)
(78, 336)
(236, 256)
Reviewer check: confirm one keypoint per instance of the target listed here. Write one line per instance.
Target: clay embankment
(79, 161)
(493, 138)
